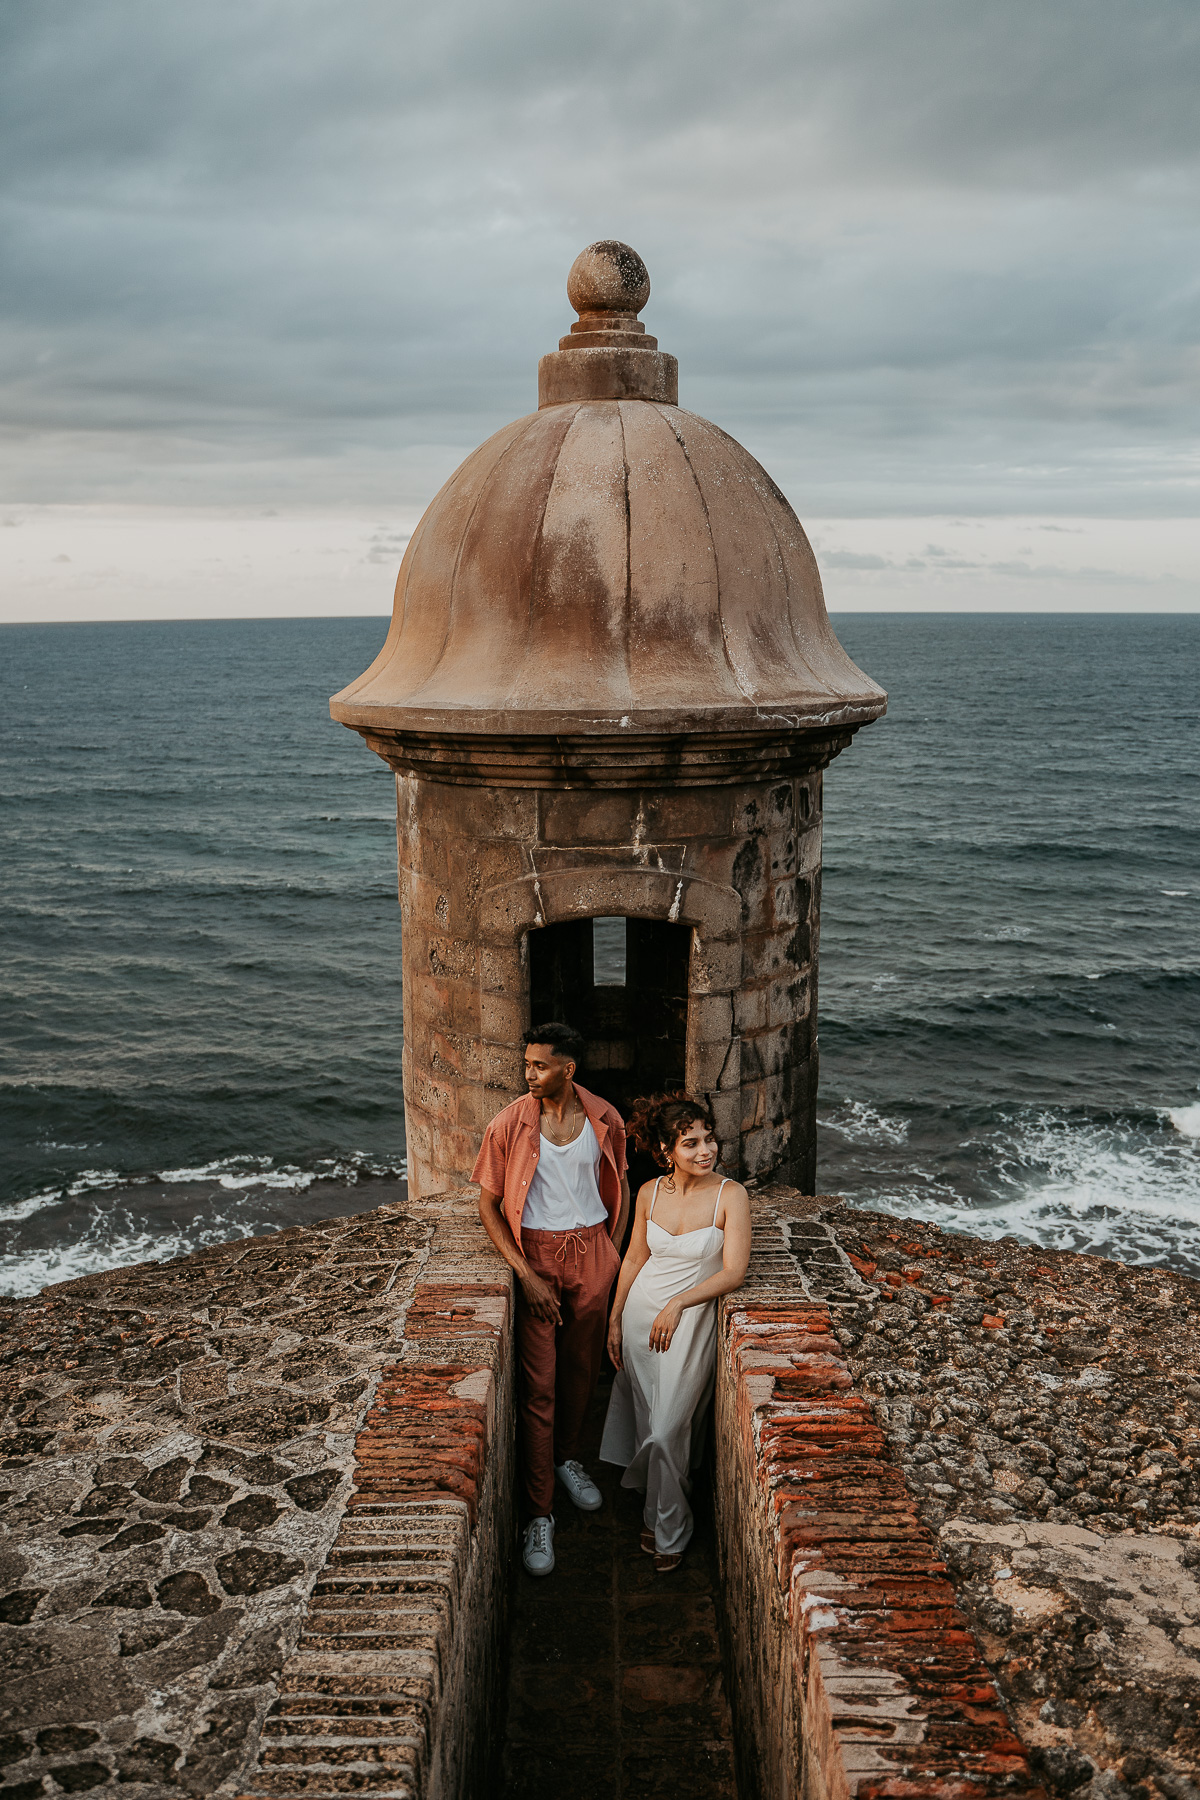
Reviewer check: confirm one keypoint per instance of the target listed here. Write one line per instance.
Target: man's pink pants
(558, 1364)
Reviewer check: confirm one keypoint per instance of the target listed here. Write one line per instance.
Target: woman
(690, 1243)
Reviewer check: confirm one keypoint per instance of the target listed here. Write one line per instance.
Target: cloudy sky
(934, 261)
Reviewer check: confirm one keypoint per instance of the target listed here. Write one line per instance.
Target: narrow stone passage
(615, 1684)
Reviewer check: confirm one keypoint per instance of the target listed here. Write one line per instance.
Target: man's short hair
(564, 1040)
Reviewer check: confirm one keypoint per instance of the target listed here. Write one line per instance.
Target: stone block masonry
(738, 864)
(1045, 1409)
(258, 1524)
(394, 1687)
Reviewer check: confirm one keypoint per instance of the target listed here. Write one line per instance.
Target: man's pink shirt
(512, 1145)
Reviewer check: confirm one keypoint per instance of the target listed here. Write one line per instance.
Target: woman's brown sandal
(664, 1564)
(647, 1541)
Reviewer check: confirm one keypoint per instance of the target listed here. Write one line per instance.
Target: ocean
(201, 1025)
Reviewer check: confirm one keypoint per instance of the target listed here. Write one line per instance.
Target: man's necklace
(571, 1131)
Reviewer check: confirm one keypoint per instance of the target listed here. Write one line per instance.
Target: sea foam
(1185, 1119)
(103, 1220)
(1081, 1187)
(859, 1123)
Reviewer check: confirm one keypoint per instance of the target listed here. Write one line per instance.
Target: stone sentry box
(609, 690)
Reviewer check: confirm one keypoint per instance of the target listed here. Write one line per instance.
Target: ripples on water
(1010, 949)
(201, 973)
(202, 938)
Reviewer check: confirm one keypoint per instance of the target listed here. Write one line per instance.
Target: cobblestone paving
(615, 1683)
(175, 1441)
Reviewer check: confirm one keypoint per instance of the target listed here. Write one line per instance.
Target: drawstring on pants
(577, 1243)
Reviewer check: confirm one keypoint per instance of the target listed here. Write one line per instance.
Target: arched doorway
(623, 984)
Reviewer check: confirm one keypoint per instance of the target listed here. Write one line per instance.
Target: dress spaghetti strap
(717, 1207)
(653, 1198)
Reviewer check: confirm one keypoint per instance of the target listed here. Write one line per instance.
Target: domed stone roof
(610, 564)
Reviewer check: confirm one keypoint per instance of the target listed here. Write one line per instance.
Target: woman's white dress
(655, 1422)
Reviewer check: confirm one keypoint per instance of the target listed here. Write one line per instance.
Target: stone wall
(854, 1672)
(396, 1683)
(959, 1514)
(201, 1457)
(1045, 1409)
(258, 1516)
(740, 864)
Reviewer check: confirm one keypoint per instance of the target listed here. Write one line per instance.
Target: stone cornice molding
(674, 757)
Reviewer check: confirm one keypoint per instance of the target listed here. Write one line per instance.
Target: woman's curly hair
(658, 1121)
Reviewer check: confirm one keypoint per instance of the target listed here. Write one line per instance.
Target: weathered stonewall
(258, 1516)
(1043, 1411)
(188, 1446)
(609, 689)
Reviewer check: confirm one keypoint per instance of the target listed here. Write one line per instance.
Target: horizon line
(854, 612)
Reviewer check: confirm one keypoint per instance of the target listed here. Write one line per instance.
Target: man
(554, 1197)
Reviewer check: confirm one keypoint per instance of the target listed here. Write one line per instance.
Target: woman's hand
(666, 1325)
(614, 1341)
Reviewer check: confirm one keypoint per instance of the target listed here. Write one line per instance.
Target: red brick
(838, 1505)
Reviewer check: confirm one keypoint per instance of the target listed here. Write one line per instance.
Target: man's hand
(539, 1298)
(614, 1341)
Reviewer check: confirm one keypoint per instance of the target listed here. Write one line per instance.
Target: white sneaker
(580, 1486)
(538, 1553)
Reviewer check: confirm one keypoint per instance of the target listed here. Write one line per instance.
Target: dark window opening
(623, 984)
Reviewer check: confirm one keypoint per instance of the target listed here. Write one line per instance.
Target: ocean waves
(858, 1123)
(201, 1034)
(1124, 1186)
(103, 1218)
(232, 1173)
(1010, 952)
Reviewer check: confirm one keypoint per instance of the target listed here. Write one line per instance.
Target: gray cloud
(918, 255)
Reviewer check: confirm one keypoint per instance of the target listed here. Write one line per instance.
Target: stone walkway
(615, 1684)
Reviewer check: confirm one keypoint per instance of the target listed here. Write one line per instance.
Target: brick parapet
(855, 1673)
(394, 1689)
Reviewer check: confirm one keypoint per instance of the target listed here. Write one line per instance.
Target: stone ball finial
(608, 278)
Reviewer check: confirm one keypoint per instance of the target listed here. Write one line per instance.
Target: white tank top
(564, 1193)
